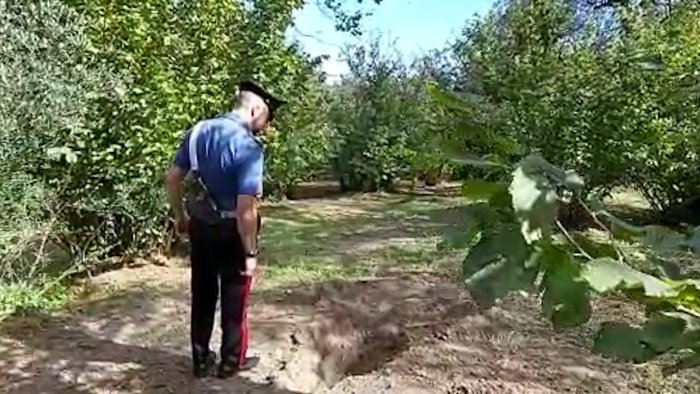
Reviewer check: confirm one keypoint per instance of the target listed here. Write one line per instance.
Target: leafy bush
(597, 97)
(177, 59)
(298, 149)
(383, 122)
(45, 87)
(96, 96)
(182, 61)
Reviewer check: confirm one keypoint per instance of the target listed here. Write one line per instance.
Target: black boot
(226, 370)
(204, 367)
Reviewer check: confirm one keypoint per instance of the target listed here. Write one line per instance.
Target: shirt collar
(236, 118)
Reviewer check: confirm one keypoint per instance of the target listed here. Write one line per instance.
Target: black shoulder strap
(194, 162)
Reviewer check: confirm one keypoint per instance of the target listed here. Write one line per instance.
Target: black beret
(272, 102)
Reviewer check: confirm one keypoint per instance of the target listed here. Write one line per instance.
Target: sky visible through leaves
(415, 25)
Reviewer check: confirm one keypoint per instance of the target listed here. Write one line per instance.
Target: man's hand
(182, 224)
(250, 264)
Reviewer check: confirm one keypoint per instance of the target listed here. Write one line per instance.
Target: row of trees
(607, 88)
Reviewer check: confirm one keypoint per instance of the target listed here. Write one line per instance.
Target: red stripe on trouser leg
(244, 321)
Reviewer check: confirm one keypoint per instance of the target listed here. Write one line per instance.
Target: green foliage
(611, 100)
(564, 273)
(38, 294)
(493, 271)
(177, 61)
(347, 20)
(181, 62)
(367, 112)
(384, 122)
(299, 149)
(565, 296)
(95, 97)
(47, 81)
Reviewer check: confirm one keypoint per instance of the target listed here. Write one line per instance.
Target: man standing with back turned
(222, 159)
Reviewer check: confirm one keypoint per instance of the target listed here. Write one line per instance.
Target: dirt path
(406, 330)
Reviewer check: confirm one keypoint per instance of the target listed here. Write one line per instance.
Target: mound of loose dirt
(359, 327)
(420, 333)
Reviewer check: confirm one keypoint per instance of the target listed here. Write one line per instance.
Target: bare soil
(403, 332)
(413, 332)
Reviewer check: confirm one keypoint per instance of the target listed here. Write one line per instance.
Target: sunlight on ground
(307, 241)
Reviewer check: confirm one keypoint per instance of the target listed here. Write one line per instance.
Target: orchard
(543, 112)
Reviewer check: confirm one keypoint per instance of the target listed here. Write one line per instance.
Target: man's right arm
(173, 180)
(173, 187)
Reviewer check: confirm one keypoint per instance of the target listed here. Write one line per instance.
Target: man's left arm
(249, 186)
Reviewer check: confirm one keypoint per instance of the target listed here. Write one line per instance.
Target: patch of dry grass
(349, 237)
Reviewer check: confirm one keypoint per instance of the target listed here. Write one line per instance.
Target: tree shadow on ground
(91, 352)
(351, 235)
(331, 189)
(415, 326)
(314, 241)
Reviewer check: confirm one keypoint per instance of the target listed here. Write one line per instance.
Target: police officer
(221, 160)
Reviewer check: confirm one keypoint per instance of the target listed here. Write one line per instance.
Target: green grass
(345, 238)
(40, 294)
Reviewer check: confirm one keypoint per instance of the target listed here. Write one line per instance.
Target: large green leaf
(606, 274)
(658, 238)
(622, 341)
(536, 164)
(496, 265)
(534, 199)
(460, 237)
(501, 200)
(662, 332)
(663, 239)
(668, 268)
(688, 293)
(565, 301)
